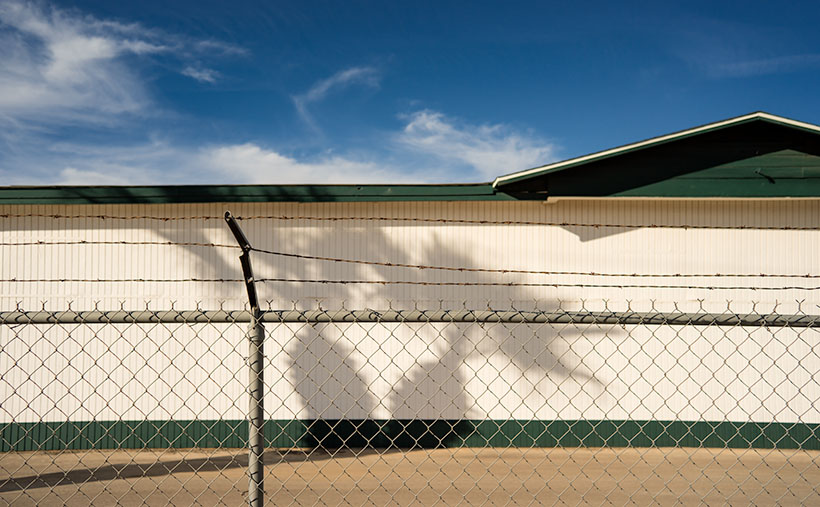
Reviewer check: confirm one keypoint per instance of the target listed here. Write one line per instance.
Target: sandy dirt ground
(464, 476)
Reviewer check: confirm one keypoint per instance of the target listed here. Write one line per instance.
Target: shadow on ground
(233, 460)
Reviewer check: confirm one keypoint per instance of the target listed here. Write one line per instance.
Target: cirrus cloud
(363, 76)
(486, 150)
(201, 74)
(62, 67)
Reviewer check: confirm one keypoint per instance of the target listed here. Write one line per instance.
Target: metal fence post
(256, 382)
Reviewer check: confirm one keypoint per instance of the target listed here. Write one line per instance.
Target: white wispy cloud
(56, 67)
(201, 74)
(153, 162)
(488, 150)
(251, 163)
(158, 162)
(60, 66)
(210, 46)
(363, 76)
(430, 147)
(74, 176)
(762, 66)
(720, 48)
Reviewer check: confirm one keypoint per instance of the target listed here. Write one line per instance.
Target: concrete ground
(387, 477)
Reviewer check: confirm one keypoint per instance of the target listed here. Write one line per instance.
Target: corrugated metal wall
(724, 249)
(499, 372)
(412, 371)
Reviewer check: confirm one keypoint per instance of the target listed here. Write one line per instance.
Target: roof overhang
(247, 193)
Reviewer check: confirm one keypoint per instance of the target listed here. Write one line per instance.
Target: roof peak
(737, 120)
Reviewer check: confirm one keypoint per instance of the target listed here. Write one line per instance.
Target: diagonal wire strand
(526, 271)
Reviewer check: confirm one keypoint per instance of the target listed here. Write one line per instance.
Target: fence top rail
(408, 316)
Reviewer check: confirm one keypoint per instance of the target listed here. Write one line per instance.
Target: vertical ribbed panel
(553, 248)
(377, 371)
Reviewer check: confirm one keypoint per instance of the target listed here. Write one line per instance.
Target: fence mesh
(482, 406)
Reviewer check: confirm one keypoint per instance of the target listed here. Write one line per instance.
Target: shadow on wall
(415, 385)
(456, 374)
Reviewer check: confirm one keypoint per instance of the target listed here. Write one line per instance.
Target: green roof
(247, 193)
(758, 155)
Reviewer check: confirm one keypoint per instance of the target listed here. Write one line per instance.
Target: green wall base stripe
(407, 434)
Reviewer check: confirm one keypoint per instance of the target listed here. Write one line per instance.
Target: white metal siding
(585, 249)
(477, 372)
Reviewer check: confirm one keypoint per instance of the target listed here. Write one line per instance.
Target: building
(720, 218)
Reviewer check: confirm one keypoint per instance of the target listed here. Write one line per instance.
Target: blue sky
(102, 92)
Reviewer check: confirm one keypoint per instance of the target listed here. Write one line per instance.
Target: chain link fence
(445, 406)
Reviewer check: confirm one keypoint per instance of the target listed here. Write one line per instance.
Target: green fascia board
(248, 193)
(758, 116)
(407, 433)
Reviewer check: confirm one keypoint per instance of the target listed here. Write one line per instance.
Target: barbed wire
(123, 242)
(405, 282)
(529, 284)
(419, 220)
(525, 271)
(60, 216)
(119, 280)
(417, 266)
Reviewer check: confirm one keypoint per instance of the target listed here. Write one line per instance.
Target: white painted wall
(544, 372)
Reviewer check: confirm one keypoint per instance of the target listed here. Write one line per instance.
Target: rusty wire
(407, 282)
(123, 242)
(415, 266)
(527, 271)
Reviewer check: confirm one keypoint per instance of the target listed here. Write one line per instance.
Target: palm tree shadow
(438, 393)
(325, 374)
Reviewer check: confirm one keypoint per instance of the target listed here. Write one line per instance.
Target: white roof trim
(654, 140)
